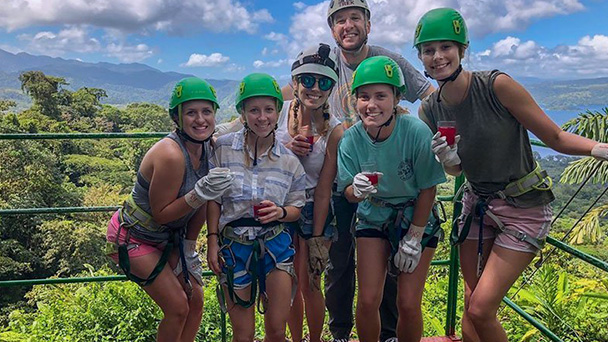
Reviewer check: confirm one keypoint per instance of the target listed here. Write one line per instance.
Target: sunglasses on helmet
(308, 81)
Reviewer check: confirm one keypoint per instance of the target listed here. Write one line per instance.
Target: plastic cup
(256, 210)
(372, 176)
(307, 132)
(447, 130)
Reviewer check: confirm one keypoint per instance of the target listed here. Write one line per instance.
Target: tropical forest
(88, 167)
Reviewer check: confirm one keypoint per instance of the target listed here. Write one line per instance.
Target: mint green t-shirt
(405, 159)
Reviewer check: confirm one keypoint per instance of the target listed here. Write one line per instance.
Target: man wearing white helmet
(349, 21)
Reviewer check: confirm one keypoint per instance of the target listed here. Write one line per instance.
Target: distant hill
(124, 83)
(136, 82)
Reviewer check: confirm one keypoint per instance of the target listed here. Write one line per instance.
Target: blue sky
(227, 39)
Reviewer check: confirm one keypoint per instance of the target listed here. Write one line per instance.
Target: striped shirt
(280, 179)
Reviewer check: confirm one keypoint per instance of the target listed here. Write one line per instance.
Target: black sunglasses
(308, 81)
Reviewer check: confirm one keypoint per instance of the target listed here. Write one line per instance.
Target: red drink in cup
(373, 177)
(311, 141)
(447, 130)
(256, 210)
(307, 132)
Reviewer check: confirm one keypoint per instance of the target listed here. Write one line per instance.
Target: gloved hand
(318, 256)
(446, 155)
(362, 187)
(210, 187)
(408, 255)
(600, 151)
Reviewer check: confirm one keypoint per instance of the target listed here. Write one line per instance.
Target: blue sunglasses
(308, 81)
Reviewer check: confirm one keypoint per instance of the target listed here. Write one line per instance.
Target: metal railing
(452, 262)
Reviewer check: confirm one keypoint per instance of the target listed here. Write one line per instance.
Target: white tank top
(313, 163)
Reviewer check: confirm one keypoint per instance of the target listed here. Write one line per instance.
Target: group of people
(299, 188)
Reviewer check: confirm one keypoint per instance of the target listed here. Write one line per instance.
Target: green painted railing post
(450, 322)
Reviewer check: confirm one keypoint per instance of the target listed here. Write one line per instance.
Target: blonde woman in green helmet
(247, 245)
(385, 164)
(160, 221)
(506, 211)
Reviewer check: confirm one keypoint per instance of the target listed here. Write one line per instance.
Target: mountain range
(136, 82)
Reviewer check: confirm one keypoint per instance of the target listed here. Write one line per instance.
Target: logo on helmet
(242, 88)
(418, 28)
(276, 86)
(346, 3)
(178, 91)
(213, 91)
(331, 4)
(388, 69)
(456, 24)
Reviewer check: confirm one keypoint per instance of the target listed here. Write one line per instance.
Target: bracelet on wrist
(211, 234)
(284, 213)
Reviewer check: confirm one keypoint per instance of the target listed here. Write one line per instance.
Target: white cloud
(258, 64)
(394, 21)
(129, 53)
(71, 39)
(198, 60)
(588, 58)
(178, 17)
(159, 61)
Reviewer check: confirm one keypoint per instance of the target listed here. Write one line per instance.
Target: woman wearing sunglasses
(308, 129)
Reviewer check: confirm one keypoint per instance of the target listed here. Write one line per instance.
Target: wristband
(211, 234)
(284, 213)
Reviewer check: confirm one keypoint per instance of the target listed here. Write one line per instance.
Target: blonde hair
(294, 108)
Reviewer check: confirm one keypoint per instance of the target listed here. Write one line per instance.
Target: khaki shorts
(534, 222)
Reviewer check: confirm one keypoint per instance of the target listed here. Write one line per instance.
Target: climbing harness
(142, 219)
(394, 229)
(535, 180)
(255, 264)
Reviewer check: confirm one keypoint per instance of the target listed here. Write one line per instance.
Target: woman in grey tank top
(492, 114)
(159, 223)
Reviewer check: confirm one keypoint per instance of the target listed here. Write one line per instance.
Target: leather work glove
(318, 256)
(446, 155)
(210, 187)
(362, 187)
(600, 152)
(408, 255)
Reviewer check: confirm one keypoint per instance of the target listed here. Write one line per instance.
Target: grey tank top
(494, 147)
(141, 194)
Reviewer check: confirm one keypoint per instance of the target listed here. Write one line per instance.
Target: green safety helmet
(378, 69)
(441, 24)
(336, 5)
(317, 59)
(258, 84)
(187, 89)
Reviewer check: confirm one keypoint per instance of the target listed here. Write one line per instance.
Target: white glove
(362, 187)
(446, 155)
(210, 187)
(408, 255)
(600, 151)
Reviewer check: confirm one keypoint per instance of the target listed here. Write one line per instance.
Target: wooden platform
(435, 339)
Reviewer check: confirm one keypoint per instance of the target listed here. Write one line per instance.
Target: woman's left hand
(270, 212)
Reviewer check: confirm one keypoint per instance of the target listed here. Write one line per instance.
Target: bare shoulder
(165, 154)
(509, 91)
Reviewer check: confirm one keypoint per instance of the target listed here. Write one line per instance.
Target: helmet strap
(255, 147)
(386, 124)
(183, 135)
(450, 78)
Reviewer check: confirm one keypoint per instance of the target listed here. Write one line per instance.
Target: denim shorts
(279, 254)
(304, 226)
